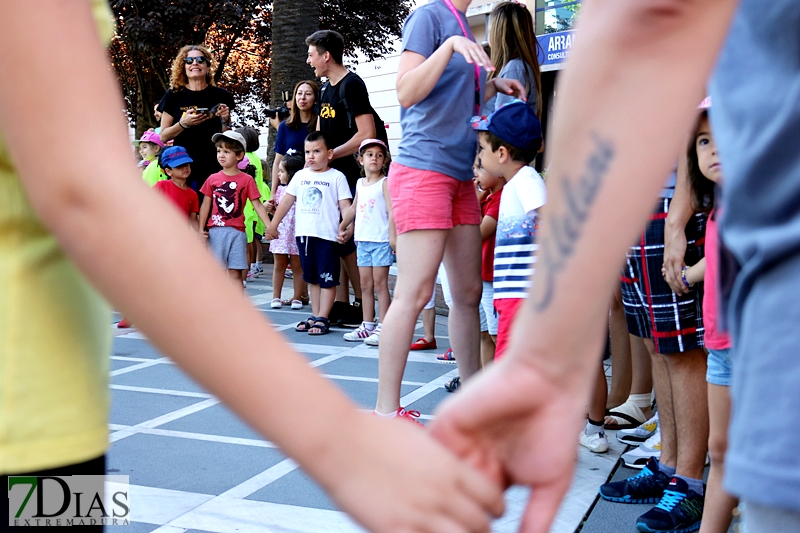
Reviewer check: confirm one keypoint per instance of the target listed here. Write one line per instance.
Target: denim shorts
(487, 312)
(229, 246)
(374, 254)
(719, 367)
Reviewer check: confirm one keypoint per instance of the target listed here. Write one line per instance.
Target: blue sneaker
(645, 487)
(679, 511)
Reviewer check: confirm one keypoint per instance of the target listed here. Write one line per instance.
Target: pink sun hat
(149, 137)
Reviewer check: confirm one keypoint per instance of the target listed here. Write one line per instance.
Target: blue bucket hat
(175, 156)
(514, 123)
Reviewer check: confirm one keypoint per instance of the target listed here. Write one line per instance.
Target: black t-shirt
(333, 121)
(197, 139)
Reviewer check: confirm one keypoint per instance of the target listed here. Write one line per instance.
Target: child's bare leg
(719, 504)
(367, 292)
(315, 291)
(620, 352)
(326, 298)
(597, 402)
(428, 323)
(300, 288)
(462, 261)
(380, 281)
(487, 349)
(278, 271)
(237, 277)
(419, 253)
(259, 250)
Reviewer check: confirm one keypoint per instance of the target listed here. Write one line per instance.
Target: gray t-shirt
(755, 115)
(436, 131)
(515, 69)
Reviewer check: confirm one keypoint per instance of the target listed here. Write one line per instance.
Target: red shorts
(506, 311)
(424, 199)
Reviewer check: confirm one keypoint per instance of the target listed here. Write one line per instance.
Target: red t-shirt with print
(228, 195)
(184, 199)
(490, 206)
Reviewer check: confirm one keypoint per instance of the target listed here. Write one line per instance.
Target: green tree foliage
(240, 36)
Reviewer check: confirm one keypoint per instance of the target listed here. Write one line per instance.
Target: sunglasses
(201, 60)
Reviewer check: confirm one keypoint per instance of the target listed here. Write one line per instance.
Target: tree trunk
(292, 22)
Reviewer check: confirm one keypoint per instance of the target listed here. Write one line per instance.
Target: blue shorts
(374, 254)
(320, 261)
(719, 367)
(229, 246)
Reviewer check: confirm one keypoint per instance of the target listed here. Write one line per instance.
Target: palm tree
(292, 22)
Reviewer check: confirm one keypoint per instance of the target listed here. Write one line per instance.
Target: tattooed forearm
(566, 223)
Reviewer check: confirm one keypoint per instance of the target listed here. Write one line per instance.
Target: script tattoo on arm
(566, 224)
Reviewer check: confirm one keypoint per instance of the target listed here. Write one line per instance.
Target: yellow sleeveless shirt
(55, 338)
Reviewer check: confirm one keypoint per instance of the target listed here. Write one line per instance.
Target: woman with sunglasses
(194, 110)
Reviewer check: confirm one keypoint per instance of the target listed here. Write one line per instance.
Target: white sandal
(297, 304)
(276, 303)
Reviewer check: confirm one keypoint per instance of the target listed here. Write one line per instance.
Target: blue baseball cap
(175, 156)
(514, 123)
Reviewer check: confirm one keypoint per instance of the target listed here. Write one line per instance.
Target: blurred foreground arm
(154, 273)
(625, 104)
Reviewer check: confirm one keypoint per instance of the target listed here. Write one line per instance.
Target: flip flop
(422, 344)
(626, 416)
(447, 357)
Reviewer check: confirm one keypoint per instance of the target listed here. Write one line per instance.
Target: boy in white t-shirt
(508, 141)
(322, 194)
(370, 219)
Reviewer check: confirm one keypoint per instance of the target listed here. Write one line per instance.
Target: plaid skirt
(652, 310)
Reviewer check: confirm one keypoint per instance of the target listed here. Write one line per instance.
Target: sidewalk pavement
(194, 466)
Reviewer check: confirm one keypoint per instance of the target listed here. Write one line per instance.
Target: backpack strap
(343, 96)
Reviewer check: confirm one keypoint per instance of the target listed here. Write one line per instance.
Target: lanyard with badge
(456, 14)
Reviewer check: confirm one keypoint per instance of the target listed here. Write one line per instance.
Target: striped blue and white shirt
(517, 228)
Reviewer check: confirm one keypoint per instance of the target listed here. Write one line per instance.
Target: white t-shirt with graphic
(317, 204)
(517, 229)
(372, 217)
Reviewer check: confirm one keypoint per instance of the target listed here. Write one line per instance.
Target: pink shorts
(424, 199)
(506, 311)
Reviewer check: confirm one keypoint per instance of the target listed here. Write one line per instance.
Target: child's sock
(390, 415)
(694, 484)
(668, 470)
(593, 427)
(258, 266)
(370, 326)
(252, 267)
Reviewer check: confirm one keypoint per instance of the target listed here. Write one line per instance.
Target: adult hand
(510, 87)
(674, 252)
(503, 424)
(193, 118)
(472, 51)
(224, 113)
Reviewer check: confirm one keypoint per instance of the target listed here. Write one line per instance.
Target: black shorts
(343, 250)
(320, 261)
(652, 310)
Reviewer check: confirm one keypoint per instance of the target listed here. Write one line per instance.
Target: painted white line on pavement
(134, 368)
(135, 359)
(324, 360)
(167, 392)
(256, 443)
(163, 419)
(371, 380)
(428, 388)
(152, 505)
(234, 515)
(259, 481)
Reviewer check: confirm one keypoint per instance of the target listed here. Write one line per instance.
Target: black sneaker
(645, 487)
(679, 511)
(338, 312)
(353, 315)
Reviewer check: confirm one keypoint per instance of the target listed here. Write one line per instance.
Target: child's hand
(204, 235)
(269, 205)
(345, 234)
(393, 243)
(373, 479)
